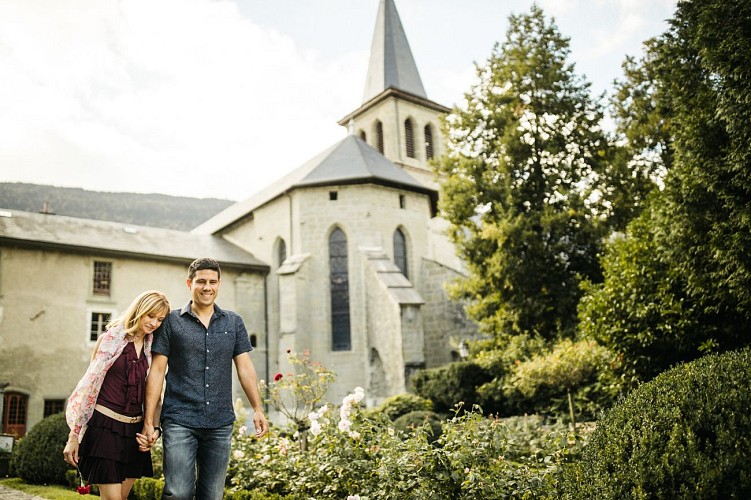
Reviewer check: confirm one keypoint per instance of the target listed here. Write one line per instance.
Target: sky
(220, 98)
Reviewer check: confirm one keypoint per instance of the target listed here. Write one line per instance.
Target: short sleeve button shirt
(199, 376)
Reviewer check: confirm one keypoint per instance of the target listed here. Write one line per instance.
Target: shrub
(451, 384)
(429, 421)
(401, 404)
(147, 488)
(38, 457)
(685, 434)
(254, 495)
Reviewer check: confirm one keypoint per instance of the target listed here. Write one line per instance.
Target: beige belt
(116, 416)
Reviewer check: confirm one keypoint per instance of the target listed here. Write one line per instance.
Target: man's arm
(246, 372)
(154, 385)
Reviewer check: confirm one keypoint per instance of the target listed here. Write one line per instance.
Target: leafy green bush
(37, 458)
(685, 434)
(401, 404)
(147, 488)
(451, 384)
(254, 495)
(474, 457)
(426, 421)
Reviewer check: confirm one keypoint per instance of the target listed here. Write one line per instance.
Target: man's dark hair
(201, 264)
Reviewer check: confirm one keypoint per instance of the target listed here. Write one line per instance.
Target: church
(344, 258)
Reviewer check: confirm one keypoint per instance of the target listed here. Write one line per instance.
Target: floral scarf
(81, 403)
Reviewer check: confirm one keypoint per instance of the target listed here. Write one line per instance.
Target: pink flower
(278, 377)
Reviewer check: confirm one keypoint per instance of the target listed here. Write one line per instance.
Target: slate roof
(350, 161)
(32, 230)
(391, 62)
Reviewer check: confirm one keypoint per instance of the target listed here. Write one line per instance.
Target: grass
(50, 492)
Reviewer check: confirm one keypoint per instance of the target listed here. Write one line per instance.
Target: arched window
(428, 142)
(409, 135)
(400, 252)
(363, 136)
(281, 252)
(379, 137)
(339, 278)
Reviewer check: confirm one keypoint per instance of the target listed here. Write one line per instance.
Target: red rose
(84, 490)
(277, 377)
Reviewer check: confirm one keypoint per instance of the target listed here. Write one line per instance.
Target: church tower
(358, 258)
(396, 117)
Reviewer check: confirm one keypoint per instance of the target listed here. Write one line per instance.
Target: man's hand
(262, 426)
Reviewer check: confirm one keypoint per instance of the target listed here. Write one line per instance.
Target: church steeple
(391, 62)
(396, 118)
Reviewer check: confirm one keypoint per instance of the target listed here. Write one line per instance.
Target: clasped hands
(147, 437)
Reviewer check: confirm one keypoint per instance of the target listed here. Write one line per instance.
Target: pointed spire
(391, 62)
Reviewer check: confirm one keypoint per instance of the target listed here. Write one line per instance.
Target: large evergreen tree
(680, 283)
(522, 183)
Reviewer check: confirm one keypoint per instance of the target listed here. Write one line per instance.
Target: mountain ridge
(153, 209)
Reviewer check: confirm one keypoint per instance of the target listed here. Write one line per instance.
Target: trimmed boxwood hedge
(685, 434)
(38, 457)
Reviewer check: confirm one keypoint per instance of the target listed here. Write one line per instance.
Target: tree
(705, 63)
(679, 284)
(641, 309)
(521, 184)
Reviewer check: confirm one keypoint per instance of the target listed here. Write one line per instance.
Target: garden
(610, 280)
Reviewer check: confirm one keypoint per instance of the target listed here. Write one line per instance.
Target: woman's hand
(71, 451)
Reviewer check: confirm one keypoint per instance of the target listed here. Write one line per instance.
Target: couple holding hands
(116, 412)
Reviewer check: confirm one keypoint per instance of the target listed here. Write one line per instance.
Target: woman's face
(151, 321)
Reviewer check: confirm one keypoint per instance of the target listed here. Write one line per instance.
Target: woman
(105, 411)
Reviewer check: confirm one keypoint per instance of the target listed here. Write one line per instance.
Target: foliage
(255, 495)
(401, 404)
(448, 385)
(703, 61)
(423, 420)
(565, 368)
(641, 309)
(37, 457)
(156, 210)
(679, 283)
(475, 457)
(685, 434)
(297, 392)
(523, 184)
(148, 488)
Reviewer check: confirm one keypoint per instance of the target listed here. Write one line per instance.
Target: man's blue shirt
(199, 373)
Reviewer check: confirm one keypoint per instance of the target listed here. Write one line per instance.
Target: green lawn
(55, 492)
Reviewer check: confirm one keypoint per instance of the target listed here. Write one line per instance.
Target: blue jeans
(188, 451)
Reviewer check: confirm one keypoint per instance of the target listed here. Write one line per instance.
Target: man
(199, 343)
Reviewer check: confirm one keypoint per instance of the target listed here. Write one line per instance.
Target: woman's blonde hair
(151, 301)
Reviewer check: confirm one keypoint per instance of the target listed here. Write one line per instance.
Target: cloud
(177, 97)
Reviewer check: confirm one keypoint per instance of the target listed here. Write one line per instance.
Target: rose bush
(352, 452)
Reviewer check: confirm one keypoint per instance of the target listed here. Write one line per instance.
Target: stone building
(344, 258)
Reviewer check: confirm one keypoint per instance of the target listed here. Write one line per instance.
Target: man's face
(204, 287)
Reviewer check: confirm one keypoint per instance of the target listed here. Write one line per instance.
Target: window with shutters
(428, 142)
(409, 136)
(379, 137)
